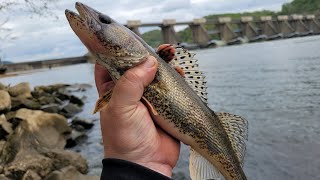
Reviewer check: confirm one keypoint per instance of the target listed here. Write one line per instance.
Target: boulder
(78, 127)
(37, 93)
(75, 138)
(51, 108)
(5, 102)
(20, 90)
(36, 147)
(76, 100)
(12, 119)
(78, 87)
(50, 89)
(31, 175)
(20, 102)
(43, 100)
(2, 87)
(85, 123)
(5, 127)
(2, 177)
(70, 173)
(2, 144)
(70, 110)
(63, 94)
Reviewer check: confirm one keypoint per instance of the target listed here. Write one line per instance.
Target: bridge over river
(228, 31)
(231, 31)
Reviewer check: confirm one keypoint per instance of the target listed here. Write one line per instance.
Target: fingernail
(149, 63)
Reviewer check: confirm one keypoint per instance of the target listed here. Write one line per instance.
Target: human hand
(128, 130)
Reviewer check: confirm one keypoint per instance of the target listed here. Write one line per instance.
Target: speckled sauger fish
(216, 139)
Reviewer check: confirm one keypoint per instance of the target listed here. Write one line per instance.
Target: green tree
(301, 7)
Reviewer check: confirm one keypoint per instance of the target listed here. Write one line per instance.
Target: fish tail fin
(102, 101)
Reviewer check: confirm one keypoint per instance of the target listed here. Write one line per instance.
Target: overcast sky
(48, 38)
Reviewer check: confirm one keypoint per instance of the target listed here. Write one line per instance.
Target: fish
(216, 139)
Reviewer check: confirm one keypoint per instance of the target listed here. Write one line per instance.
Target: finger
(102, 78)
(129, 89)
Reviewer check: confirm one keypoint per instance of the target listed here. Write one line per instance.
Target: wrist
(164, 169)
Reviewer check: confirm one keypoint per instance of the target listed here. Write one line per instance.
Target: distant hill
(301, 7)
(154, 38)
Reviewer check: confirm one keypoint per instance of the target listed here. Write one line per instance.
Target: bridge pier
(133, 25)
(249, 31)
(299, 26)
(268, 28)
(199, 33)
(312, 24)
(285, 28)
(168, 32)
(226, 31)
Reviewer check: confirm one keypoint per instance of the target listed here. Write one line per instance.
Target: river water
(275, 85)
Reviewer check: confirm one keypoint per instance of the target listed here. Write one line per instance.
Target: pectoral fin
(103, 101)
(149, 106)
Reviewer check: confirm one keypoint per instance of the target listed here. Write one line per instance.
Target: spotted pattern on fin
(184, 61)
(237, 131)
(166, 52)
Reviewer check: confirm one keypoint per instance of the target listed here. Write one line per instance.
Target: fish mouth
(89, 16)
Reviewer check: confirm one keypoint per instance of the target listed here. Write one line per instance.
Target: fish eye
(105, 19)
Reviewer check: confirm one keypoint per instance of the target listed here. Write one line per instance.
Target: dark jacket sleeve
(117, 169)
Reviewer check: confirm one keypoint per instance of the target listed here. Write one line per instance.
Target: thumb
(129, 88)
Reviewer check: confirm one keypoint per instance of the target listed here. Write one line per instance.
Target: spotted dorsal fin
(181, 58)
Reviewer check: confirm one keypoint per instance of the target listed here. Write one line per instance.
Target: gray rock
(5, 127)
(70, 173)
(2, 87)
(70, 110)
(11, 118)
(37, 144)
(78, 87)
(85, 123)
(5, 102)
(20, 90)
(20, 102)
(50, 89)
(75, 138)
(78, 127)
(43, 100)
(31, 175)
(3, 177)
(63, 94)
(76, 100)
(51, 108)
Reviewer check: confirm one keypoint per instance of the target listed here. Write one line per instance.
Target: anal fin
(103, 101)
(201, 169)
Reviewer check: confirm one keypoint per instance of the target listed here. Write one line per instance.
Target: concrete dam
(229, 31)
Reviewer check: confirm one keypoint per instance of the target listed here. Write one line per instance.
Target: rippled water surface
(275, 85)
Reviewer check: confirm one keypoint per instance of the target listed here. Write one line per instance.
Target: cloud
(48, 38)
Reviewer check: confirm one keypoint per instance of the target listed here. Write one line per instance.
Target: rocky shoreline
(36, 128)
